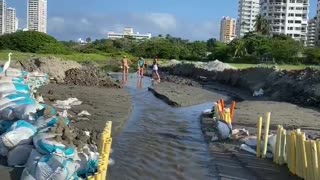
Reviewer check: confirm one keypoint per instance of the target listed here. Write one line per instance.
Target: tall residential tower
(312, 29)
(37, 15)
(248, 11)
(11, 20)
(288, 17)
(3, 8)
(227, 29)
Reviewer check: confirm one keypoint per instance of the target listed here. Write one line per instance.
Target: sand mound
(89, 75)
(217, 66)
(52, 66)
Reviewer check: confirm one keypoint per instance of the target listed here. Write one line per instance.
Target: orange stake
(233, 106)
(222, 104)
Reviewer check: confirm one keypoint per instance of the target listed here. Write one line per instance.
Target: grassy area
(283, 66)
(112, 61)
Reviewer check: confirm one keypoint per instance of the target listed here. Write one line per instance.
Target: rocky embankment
(300, 87)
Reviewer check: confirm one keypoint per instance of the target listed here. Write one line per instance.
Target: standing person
(141, 67)
(155, 68)
(125, 65)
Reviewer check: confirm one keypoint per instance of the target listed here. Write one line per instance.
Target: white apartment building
(11, 20)
(248, 11)
(128, 33)
(3, 8)
(37, 15)
(312, 29)
(227, 29)
(318, 24)
(288, 17)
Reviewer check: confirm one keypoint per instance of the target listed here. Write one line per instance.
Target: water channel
(160, 142)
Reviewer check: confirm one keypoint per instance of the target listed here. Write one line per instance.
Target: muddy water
(160, 142)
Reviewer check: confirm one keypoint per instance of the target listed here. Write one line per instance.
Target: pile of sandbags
(33, 135)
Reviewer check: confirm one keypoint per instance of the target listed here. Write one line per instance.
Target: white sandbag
(13, 87)
(12, 80)
(14, 97)
(12, 72)
(54, 167)
(26, 175)
(272, 143)
(19, 133)
(46, 144)
(32, 161)
(3, 149)
(88, 161)
(206, 111)
(21, 102)
(27, 112)
(19, 155)
(224, 129)
(43, 122)
(7, 114)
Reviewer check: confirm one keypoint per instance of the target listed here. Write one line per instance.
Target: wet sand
(179, 95)
(104, 104)
(249, 108)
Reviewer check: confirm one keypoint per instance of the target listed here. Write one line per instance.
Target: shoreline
(104, 104)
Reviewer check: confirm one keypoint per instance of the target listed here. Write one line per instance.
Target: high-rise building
(227, 29)
(312, 28)
(3, 8)
(288, 17)
(248, 11)
(318, 25)
(11, 20)
(37, 15)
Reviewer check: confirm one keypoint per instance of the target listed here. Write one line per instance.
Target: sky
(189, 19)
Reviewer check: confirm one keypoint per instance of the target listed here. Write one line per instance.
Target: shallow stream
(160, 142)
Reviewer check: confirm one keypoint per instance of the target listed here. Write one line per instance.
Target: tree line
(254, 47)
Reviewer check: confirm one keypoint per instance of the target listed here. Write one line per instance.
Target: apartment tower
(37, 15)
(289, 17)
(3, 8)
(318, 25)
(227, 29)
(312, 29)
(248, 11)
(11, 20)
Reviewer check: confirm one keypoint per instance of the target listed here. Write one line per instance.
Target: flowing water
(160, 142)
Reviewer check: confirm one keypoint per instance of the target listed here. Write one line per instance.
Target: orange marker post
(233, 106)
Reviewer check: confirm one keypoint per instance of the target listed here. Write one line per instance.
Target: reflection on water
(160, 142)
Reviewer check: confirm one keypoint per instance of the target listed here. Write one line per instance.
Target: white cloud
(162, 20)
(96, 26)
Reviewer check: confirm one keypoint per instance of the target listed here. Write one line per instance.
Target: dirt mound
(300, 87)
(52, 66)
(89, 75)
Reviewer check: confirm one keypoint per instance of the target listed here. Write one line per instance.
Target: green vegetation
(80, 57)
(33, 42)
(254, 48)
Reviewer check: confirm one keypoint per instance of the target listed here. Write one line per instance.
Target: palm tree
(262, 25)
(240, 48)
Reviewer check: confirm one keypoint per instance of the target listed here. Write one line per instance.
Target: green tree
(285, 51)
(31, 41)
(88, 40)
(211, 43)
(221, 52)
(239, 48)
(262, 25)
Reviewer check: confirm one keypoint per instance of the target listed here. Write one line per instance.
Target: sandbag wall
(32, 135)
